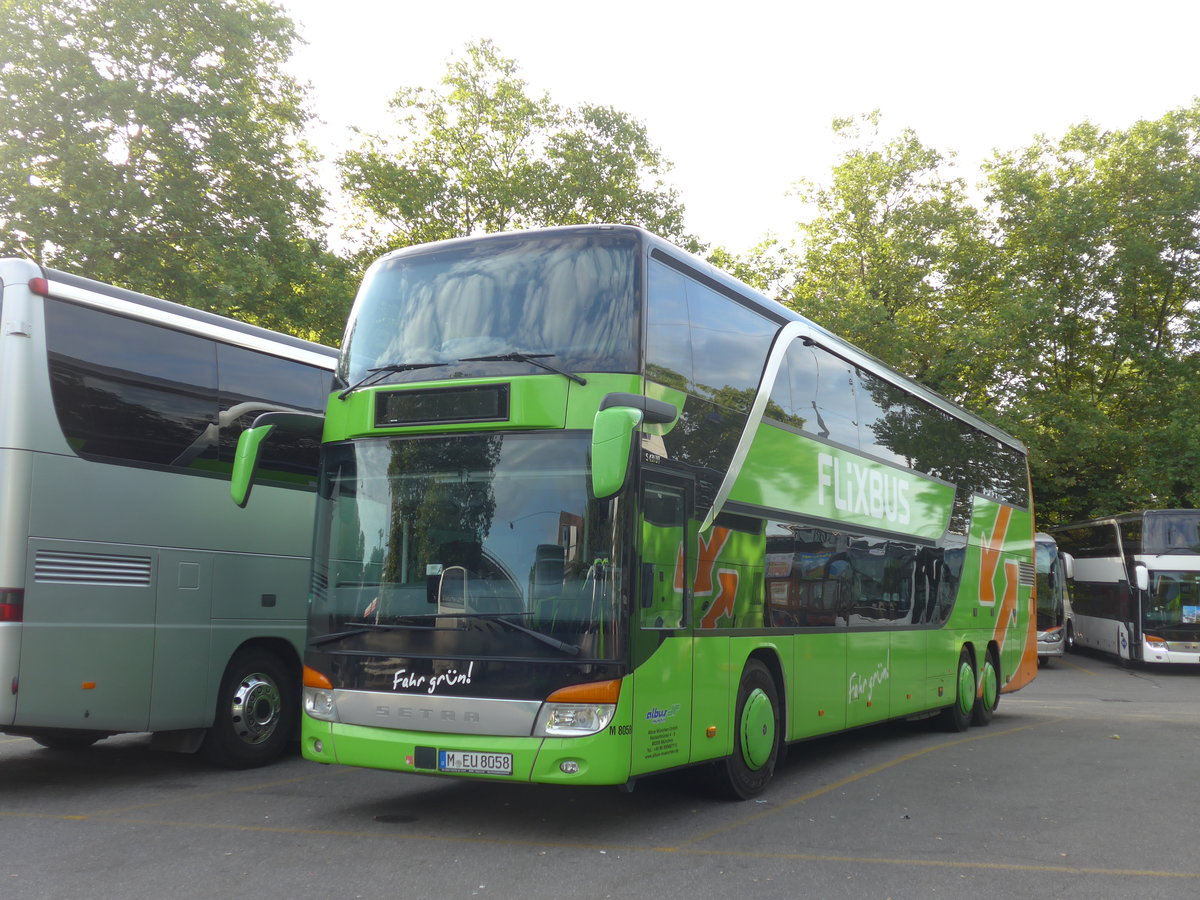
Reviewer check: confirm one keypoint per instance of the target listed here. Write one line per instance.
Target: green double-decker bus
(591, 509)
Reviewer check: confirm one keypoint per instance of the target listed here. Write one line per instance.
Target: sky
(741, 96)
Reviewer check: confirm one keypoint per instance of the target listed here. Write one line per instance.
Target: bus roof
(76, 288)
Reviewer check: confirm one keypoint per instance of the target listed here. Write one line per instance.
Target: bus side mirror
(612, 446)
(250, 441)
(1068, 566)
(245, 462)
(612, 437)
(1141, 577)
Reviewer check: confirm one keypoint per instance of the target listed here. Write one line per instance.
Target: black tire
(757, 736)
(257, 712)
(989, 697)
(955, 717)
(67, 741)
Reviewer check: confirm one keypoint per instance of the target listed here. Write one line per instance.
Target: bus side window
(729, 344)
(823, 394)
(127, 390)
(246, 378)
(668, 330)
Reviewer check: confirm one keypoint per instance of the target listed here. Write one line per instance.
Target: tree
(1099, 234)
(483, 155)
(155, 144)
(894, 257)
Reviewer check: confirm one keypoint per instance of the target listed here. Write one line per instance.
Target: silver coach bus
(134, 597)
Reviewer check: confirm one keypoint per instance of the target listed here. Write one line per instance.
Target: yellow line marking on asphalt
(686, 848)
(1078, 668)
(357, 834)
(120, 810)
(858, 776)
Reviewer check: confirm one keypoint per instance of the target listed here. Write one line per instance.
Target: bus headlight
(579, 709)
(319, 704)
(574, 719)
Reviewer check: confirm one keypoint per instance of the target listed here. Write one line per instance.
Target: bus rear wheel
(989, 691)
(957, 716)
(257, 710)
(756, 736)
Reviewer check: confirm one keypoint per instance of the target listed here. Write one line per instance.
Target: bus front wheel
(257, 709)
(756, 736)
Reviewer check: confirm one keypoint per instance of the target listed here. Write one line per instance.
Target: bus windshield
(1174, 600)
(569, 298)
(1177, 531)
(463, 546)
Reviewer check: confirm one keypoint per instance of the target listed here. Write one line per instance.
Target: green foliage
(1099, 237)
(1066, 309)
(888, 255)
(154, 144)
(482, 155)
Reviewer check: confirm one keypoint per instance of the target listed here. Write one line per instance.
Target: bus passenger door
(660, 630)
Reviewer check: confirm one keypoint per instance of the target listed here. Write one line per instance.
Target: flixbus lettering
(862, 490)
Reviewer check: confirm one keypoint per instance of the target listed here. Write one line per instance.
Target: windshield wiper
(378, 372)
(364, 628)
(531, 358)
(562, 646)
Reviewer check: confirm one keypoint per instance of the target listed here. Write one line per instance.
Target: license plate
(474, 763)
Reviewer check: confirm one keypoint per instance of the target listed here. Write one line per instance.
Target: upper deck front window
(572, 295)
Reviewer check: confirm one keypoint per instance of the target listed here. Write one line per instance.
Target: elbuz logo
(657, 714)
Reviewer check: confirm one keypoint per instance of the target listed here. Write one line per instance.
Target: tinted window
(1089, 541)
(252, 383)
(1171, 532)
(819, 578)
(136, 392)
(129, 390)
(823, 394)
(729, 347)
(668, 329)
(882, 418)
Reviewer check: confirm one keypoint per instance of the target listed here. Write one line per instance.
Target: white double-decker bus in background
(133, 596)
(1135, 590)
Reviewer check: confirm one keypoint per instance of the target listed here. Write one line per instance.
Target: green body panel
(996, 604)
(602, 758)
(535, 401)
(662, 708)
(832, 483)
(714, 683)
(817, 701)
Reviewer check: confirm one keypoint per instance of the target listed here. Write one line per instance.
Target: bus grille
(1027, 574)
(91, 568)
